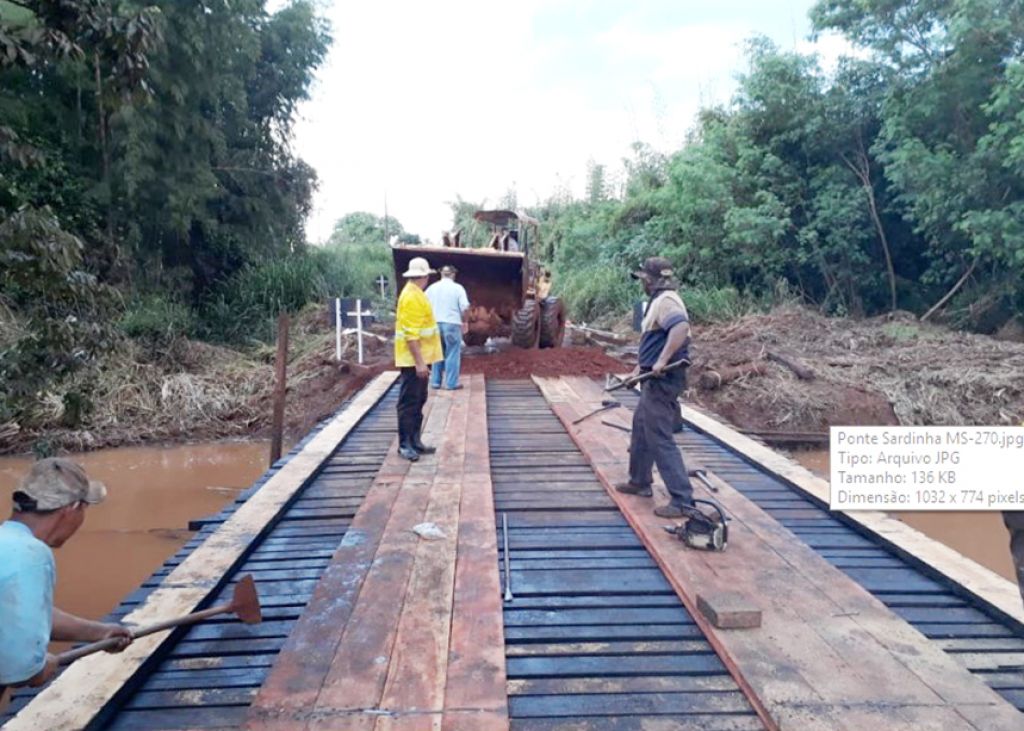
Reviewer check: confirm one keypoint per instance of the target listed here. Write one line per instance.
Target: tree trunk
(950, 293)
(713, 379)
(862, 169)
(801, 371)
(103, 128)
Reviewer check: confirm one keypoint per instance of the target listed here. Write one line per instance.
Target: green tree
(950, 126)
(209, 180)
(361, 228)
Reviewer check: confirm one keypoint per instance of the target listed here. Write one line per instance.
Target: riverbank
(790, 370)
(795, 370)
(192, 391)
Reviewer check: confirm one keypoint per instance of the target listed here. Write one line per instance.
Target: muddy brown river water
(153, 493)
(977, 535)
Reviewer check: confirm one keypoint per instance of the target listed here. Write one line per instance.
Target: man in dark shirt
(665, 339)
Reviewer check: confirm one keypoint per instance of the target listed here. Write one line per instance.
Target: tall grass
(594, 292)
(156, 320)
(600, 292)
(245, 307)
(716, 304)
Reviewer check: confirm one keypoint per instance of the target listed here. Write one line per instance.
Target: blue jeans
(451, 342)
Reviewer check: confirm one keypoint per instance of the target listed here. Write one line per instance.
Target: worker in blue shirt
(49, 506)
(451, 310)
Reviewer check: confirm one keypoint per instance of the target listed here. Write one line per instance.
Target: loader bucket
(495, 282)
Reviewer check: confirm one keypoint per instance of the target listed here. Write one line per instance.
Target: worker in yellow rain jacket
(417, 347)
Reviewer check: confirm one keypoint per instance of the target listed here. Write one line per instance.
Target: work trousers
(412, 395)
(1015, 524)
(451, 342)
(651, 442)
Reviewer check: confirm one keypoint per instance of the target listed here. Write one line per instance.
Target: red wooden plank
(359, 669)
(476, 695)
(419, 662)
(475, 721)
(417, 641)
(407, 722)
(299, 670)
(302, 666)
(820, 660)
(368, 652)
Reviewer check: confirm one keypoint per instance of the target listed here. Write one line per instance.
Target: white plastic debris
(429, 531)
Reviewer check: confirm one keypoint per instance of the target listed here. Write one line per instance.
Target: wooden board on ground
(828, 655)
(410, 627)
(82, 690)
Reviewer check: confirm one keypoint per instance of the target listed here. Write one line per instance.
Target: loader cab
(510, 230)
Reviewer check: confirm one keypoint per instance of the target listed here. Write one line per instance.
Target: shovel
(245, 603)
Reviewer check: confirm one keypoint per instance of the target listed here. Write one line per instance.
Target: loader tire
(525, 325)
(472, 338)
(552, 323)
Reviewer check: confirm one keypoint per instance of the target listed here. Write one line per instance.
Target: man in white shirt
(451, 310)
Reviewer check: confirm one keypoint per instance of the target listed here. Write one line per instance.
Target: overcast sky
(426, 101)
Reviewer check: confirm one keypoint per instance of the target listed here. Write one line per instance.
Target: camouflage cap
(52, 484)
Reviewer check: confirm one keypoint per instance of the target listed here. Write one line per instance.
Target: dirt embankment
(195, 391)
(796, 370)
(791, 370)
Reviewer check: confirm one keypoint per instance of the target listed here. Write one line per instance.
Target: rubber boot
(407, 451)
(419, 446)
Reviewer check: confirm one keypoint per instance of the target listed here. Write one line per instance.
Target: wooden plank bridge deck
(369, 626)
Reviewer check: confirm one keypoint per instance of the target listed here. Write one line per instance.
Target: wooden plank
(422, 644)
(298, 672)
(81, 691)
(419, 663)
(476, 688)
(973, 578)
(810, 652)
(362, 658)
(922, 657)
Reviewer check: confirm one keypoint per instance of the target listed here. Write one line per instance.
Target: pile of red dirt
(516, 363)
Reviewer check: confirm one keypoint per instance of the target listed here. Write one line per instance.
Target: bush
(156, 320)
(55, 313)
(715, 304)
(597, 291)
(244, 308)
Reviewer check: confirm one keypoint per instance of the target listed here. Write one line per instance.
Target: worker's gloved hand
(46, 674)
(122, 633)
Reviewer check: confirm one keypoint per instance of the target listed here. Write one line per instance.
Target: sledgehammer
(245, 603)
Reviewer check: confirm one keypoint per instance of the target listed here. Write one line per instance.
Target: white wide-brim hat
(418, 267)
